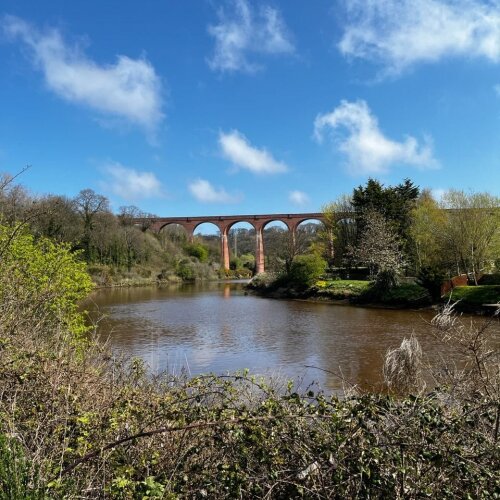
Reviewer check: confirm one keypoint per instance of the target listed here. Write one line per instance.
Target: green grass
(476, 295)
(340, 289)
(407, 294)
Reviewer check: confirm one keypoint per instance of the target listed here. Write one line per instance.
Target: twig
(163, 430)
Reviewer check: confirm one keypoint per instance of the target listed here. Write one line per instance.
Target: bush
(305, 270)
(431, 278)
(197, 250)
(17, 478)
(42, 277)
(490, 279)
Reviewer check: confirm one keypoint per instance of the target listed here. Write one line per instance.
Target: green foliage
(235, 263)
(185, 270)
(43, 276)
(395, 203)
(432, 278)
(197, 250)
(305, 270)
(406, 294)
(476, 295)
(95, 427)
(17, 477)
(340, 289)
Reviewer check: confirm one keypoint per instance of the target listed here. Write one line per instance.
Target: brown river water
(217, 328)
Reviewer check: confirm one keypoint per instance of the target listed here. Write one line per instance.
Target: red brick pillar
(259, 249)
(189, 227)
(292, 228)
(155, 227)
(224, 247)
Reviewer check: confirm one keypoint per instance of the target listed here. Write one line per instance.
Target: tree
(197, 250)
(379, 248)
(472, 229)
(88, 204)
(58, 219)
(428, 221)
(15, 201)
(339, 229)
(395, 203)
(282, 246)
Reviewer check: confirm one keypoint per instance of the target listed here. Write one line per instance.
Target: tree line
(114, 247)
(396, 230)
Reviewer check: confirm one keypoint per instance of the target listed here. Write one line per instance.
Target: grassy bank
(467, 298)
(353, 291)
(476, 295)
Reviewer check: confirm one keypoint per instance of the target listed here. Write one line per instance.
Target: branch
(163, 430)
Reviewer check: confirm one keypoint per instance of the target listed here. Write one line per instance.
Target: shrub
(305, 270)
(431, 278)
(17, 478)
(197, 250)
(490, 279)
(43, 277)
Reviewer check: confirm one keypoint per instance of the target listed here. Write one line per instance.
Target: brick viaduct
(225, 222)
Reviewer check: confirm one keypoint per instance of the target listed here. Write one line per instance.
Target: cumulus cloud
(242, 31)
(367, 149)
(236, 148)
(203, 191)
(130, 184)
(129, 89)
(298, 198)
(400, 33)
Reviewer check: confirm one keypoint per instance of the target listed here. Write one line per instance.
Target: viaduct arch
(225, 222)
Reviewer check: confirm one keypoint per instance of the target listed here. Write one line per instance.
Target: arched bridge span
(225, 222)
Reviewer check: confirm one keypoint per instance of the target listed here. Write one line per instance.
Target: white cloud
(400, 33)
(367, 149)
(298, 198)
(130, 89)
(203, 191)
(243, 32)
(236, 148)
(130, 184)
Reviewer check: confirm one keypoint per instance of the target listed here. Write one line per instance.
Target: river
(216, 327)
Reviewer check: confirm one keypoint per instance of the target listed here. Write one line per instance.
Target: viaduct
(225, 222)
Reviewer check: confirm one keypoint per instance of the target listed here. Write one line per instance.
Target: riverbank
(105, 276)
(471, 299)
(77, 423)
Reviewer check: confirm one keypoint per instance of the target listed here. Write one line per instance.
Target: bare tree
(472, 230)
(88, 205)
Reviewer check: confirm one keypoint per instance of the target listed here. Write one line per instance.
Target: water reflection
(215, 327)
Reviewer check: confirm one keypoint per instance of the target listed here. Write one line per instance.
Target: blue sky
(239, 106)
